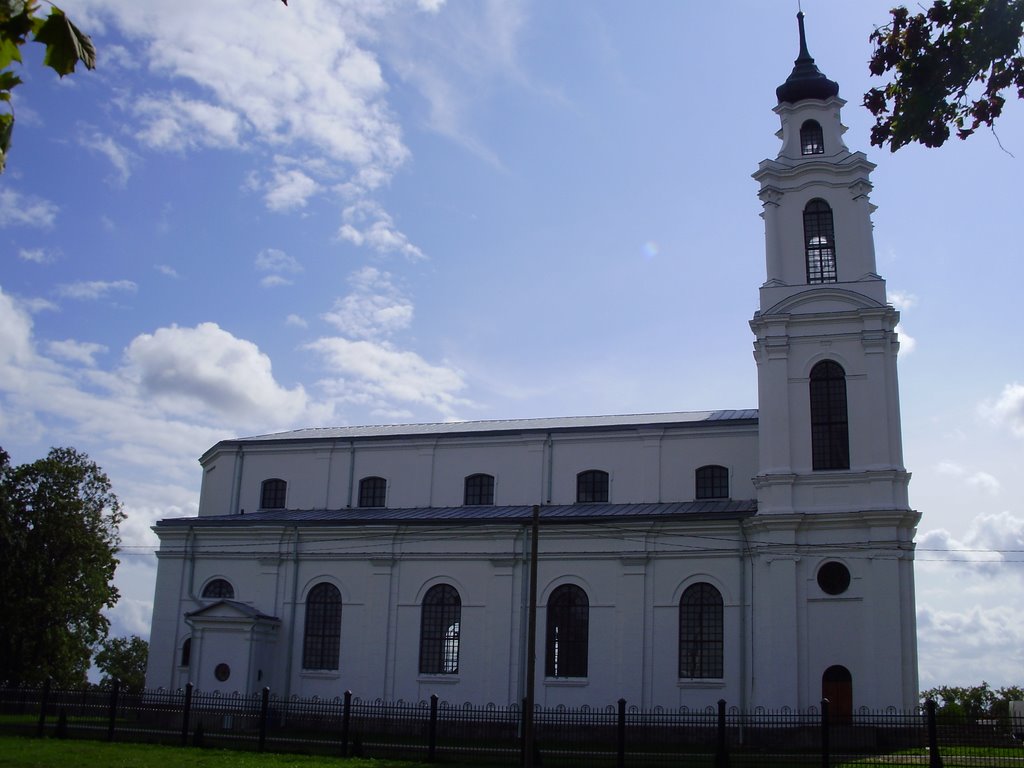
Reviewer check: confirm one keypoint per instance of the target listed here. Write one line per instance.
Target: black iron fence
(615, 736)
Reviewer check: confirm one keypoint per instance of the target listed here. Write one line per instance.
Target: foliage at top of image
(951, 65)
(59, 522)
(66, 46)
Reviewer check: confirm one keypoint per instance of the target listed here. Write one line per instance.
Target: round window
(834, 578)
(222, 672)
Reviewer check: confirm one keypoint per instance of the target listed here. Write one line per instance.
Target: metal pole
(432, 731)
(112, 720)
(186, 714)
(825, 758)
(531, 644)
(934, 757)
(43, 704)
(346, 720)
(264, 709)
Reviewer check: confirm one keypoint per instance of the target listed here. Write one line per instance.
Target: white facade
(764, 557)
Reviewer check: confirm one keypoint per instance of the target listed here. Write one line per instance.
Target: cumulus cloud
(381, 374)
(288, 190)
(295, 321)
(274, 260)
(960, 646)
(95, 289)
(37, 255)
(992, 541)
(985, 482)
(175, 122)
(118, 155)
(209, 369)
(903, 301)
(375, 308)
(167, 270)
(367, 224)
(1007, 409)
(18, 210)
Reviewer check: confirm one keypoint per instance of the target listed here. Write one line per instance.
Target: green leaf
(6, 126)
(9, 51)
(66, 45)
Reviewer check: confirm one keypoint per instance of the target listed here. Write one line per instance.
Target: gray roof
(512, 515)
(502, 426)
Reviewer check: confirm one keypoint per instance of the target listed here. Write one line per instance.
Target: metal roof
(505, 426)
(512, 515)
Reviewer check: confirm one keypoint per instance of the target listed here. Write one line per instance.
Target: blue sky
(254, 217)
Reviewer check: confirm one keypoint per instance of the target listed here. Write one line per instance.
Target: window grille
(701, 632)
(272, 495)
(830, 432)
(219, 589)
(479, 490)
(440, 622)
(812, 142)
(819, 242)
(568, 627)
(592, 486)
(712, 482)
(322, 639)
(373, 492)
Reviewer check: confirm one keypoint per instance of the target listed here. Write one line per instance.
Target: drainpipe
(551, 466)
(743, 622)
(351, 472)
(190, 548)
(291, 621)
(236, 490)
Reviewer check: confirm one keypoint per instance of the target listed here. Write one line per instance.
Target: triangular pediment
(229, 611)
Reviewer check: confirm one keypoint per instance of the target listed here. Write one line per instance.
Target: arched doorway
(837, 687)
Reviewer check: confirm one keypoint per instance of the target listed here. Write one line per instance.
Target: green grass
(16, 752)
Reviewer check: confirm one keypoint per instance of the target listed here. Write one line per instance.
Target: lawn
(18, 752)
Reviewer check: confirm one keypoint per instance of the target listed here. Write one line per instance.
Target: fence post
(186, 714)
(114, 690)
(620, 758)
(264, 708)
(934, 758)
(824, 734)
(346, 720)
(432, 730)
(721, 748)
(43, 704)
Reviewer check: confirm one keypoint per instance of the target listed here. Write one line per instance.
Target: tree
(952, 64)
(124, 659)
(66, 45)
(973, 701)
(58, 540)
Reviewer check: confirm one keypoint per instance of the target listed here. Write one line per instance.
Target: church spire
(805, 81)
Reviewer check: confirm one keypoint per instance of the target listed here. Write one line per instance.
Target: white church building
(764, 557)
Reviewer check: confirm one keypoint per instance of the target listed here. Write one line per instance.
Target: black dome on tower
(805, 81)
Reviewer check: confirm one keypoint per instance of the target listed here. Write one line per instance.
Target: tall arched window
(272, 493)
(321, 643)
(219, 589)
(567, 632)
(701, 632)
(592, 486)
(812, 142)
(440, 623)
(479, 490)
(373, 492)
(830, 432)
(819, 242)
(712, 482)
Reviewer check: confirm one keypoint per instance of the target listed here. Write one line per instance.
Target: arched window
(479, 490)
(830, 434)
(321, 642)
(219, 589)
(440, 621)
(373, 492)
(819, 242)
(272, 493)
(567, 633)
(186, 653)
(712, 482)
(592, 486)
(812, 142)
(701, 632)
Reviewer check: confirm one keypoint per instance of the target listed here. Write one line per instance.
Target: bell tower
(831, 545)
(826, 343)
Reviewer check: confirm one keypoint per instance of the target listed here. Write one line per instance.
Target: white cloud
(295, 321)
(1007, 409)
(289, 190)
(960, 648)
(15, 333)
(374, 309)
(907, 342)
(25, 210)
(76, 351)
(204, 370)
(902, 300)
(989, 544)
(167, 270)
(95, 289)
(178, 123)
(37, 255)
(378, 373)
(985, 482)
(118, 155)
(366, 223)
(274, 260)
(274, 281)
